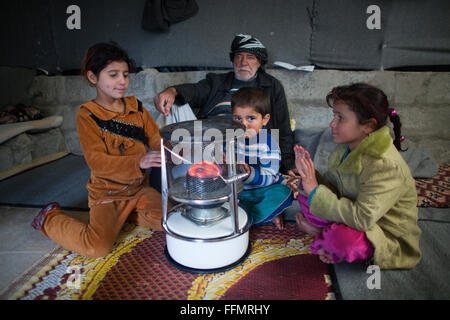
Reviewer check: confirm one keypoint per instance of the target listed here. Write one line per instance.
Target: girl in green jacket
(364, 207)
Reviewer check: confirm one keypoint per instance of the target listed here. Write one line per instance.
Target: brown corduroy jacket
(113, 144)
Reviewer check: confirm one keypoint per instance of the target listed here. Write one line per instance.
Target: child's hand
(300, 153)
(243, 167)
(292, 179)
(293, 172)
(150, 159)
(305, 167)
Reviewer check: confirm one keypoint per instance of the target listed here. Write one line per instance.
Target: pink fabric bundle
(341, 241)
(315, 221)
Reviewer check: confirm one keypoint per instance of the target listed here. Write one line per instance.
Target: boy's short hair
(255, 98)
(101, 54)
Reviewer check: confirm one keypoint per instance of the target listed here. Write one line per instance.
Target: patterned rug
(435, 192)
(279, 267)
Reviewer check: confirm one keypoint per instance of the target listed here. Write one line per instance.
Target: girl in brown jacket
(114, 132)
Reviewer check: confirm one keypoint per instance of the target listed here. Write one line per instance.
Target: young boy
(263, 197)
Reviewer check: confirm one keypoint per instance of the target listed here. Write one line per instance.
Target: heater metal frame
(217, 239)
(233, 180)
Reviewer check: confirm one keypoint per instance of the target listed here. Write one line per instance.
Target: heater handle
(236, 178)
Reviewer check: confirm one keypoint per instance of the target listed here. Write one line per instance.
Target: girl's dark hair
(255, 98)
(368, 102)
(101, 54)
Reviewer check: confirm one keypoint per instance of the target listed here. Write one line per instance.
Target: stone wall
(421, 98)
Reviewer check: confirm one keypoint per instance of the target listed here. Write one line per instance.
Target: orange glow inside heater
(204, 169)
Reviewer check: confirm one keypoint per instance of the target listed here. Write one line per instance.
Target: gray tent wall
(413, 33)
(329, 34)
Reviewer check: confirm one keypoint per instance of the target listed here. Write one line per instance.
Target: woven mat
(435, 192)
(279, 267)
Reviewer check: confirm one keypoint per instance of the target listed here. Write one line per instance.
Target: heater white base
(197, 250)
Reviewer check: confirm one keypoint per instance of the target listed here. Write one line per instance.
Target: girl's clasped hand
(305, 168)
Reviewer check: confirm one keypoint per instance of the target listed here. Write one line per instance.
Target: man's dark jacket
(207, 93)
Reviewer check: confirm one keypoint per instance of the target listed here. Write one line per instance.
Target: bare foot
(279, 222)
(305, 226)
(324, 256)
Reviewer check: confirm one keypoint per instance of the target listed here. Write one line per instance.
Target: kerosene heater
(206, 230)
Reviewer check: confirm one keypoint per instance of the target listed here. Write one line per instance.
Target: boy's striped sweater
(263, 156)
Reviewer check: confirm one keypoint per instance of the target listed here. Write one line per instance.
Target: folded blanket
(10, 130)
(177, 114)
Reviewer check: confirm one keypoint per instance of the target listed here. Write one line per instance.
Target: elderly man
(212, 96)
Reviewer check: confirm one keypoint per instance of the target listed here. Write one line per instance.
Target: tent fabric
(327, 34)
(412, 33)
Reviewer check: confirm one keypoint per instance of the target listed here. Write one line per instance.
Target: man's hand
(164, 100)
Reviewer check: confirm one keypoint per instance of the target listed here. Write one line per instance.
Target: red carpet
(278, 267)
(144, 273)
